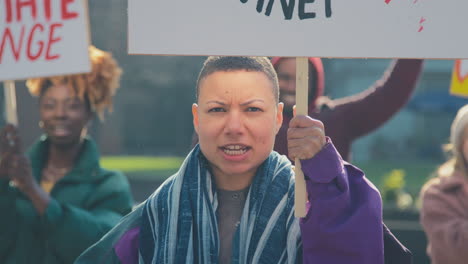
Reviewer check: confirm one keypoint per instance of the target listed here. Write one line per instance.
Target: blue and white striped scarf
(179, 223)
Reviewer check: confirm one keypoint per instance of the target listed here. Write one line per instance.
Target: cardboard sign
(296, 28)
(459, 84)
(43, 38)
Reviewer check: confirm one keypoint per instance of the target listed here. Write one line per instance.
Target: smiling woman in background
(56, 200)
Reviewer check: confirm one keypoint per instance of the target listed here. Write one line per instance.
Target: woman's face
(63, 114)
(236, 119)
(286, 70)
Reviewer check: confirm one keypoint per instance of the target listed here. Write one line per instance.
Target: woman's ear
(279, 116)
(195, 116)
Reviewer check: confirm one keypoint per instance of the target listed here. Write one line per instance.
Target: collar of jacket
(449, 183)
(86, 167)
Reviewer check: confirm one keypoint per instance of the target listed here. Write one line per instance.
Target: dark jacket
(84, 205)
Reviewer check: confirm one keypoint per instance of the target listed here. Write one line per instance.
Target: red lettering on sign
(30, 39)
(53, 40)
(65, 13)
(16, 49)
(47, 9)
(15, 9)
(41, 36)
(9, 11)
(20, 4)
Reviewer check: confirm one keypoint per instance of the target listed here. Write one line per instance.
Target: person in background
(444, 212)
(352, 117)
(56, 200)
(348, 118)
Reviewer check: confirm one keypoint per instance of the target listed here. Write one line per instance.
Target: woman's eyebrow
(252, 101)
(215, 102)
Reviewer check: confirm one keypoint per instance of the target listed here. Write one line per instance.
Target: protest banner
(300, 28)
(41, 38)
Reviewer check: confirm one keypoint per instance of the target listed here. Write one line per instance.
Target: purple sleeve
(344, 219)
(362, 113)
(126, 248)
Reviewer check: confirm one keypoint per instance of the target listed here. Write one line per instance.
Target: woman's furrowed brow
(215, 102)
(252, 101)
(242, 104)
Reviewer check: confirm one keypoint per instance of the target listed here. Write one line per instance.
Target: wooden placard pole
(10, 103)
(302, 90)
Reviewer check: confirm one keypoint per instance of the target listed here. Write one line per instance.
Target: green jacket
(85, 204)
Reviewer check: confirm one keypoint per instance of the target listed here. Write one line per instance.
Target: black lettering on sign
(259, 6)
(302, 12)
(287, 7)
(328, 10)
(269, 7)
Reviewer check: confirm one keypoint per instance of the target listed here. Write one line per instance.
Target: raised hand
(10, 144)
(306, 137)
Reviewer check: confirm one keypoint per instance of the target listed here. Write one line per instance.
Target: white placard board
(340, 28)
(43, 38)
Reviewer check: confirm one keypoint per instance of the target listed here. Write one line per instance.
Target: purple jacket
(344, 219)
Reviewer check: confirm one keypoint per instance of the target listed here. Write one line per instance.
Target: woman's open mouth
(235, 149)
(60, 130)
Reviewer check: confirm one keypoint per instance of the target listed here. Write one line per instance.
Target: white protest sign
(297, 28)
(43, 38)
